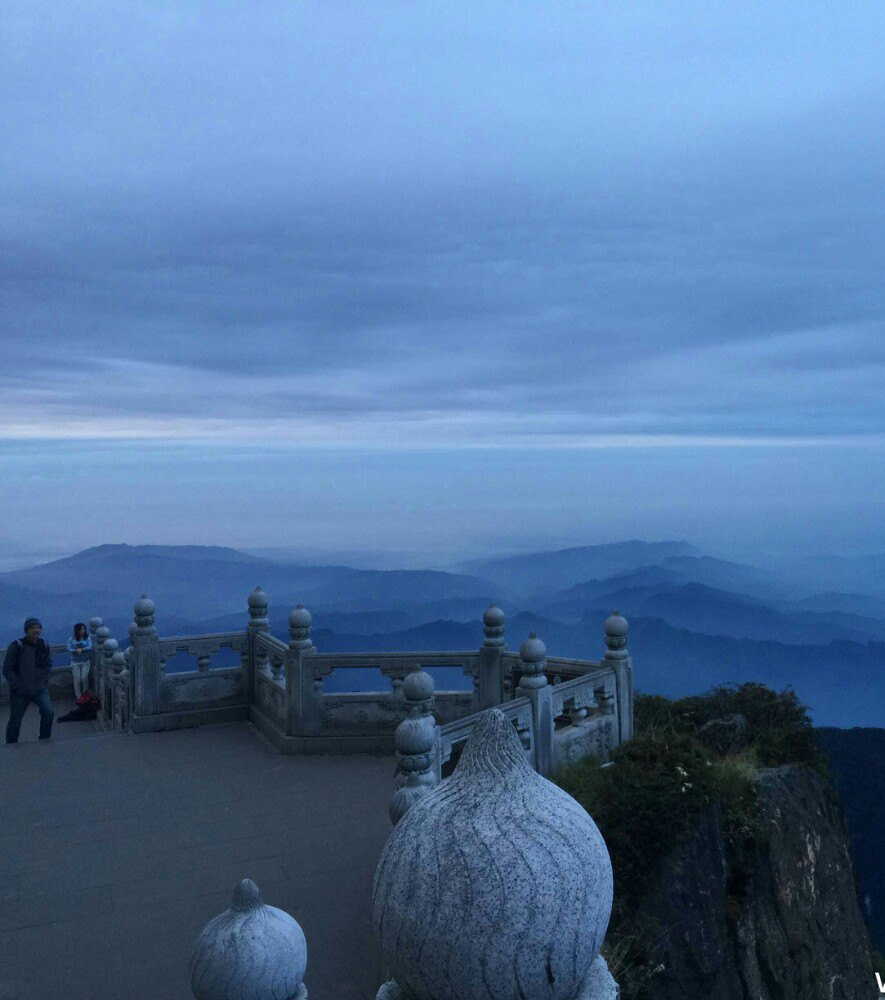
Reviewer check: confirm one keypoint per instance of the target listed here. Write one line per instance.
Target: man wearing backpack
(26, 669)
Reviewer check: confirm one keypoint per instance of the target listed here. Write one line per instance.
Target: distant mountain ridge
(685, 634)
(196, 584)
(200, 553)
(567, 567)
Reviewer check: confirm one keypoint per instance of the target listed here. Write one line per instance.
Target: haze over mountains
(695, 620)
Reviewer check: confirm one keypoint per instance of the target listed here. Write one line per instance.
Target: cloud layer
(443, 226)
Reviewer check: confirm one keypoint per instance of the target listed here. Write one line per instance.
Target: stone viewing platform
(123, 837)
(117, 849)
(562, 708)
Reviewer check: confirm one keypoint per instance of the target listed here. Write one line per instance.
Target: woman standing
(79, 645)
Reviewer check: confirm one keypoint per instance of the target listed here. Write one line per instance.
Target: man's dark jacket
(27, 665)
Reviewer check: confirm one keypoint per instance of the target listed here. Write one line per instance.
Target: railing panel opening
(225, 658)
(180, 663)
(449, 678)
(356, 680)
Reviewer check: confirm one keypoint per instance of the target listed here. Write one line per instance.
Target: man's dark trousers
(17, 705)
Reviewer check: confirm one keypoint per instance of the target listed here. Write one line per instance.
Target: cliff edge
(777, 919)
(733, 871)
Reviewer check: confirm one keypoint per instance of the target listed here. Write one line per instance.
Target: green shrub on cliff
(779, 729)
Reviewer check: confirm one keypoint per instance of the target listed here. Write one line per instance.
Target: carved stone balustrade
(560, 706)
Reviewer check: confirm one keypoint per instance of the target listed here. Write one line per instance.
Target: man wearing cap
(26, 669)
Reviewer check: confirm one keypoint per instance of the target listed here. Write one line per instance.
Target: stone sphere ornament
(418, 686)
(250, 952)
(496, 884)
(257, 600)
(616, 627)
(144, 606)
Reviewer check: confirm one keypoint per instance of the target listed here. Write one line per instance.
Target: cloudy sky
(442, 276)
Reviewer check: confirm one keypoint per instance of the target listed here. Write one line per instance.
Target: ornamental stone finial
(446, 885)
(533, 654)
(108, 648)
(616, 637)
(493, 626)
(102, 633)
(94, 623)
(299, 628)
(415, 740)
(257, 602)
(144, 613)
(118, 661)
(250, 952)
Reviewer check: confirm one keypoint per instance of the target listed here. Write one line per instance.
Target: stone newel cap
(418, 686)
(251, 950)
(616, 625)
(257, 599)
(532, 650)
(494, 884)
(493, 616)
(299, 617)
(144, 606)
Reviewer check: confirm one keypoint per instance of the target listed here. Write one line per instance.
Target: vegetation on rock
(661, 784)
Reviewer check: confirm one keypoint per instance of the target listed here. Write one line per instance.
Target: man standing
(26, 669)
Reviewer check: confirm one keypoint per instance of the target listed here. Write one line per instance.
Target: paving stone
(107, 884)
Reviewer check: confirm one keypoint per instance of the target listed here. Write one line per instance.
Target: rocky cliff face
(772, 919)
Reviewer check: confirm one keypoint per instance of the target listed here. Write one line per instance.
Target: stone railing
(561, 708)
(556, 721)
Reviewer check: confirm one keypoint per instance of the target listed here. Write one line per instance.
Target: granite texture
(496, 884)
(599, 985)
(250, 952)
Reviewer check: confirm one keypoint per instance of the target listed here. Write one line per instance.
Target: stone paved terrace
(116, 850)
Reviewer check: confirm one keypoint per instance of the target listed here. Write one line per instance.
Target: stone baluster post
(118, 662)
(258, 623)
(417, 745)
(101, 633)
(109, 647)
(276, 667)
(94, 625)
(129, 655)
(491, 688)
(618, 657)
(533, 685)
(304, 709)
(251, 950)
(146, 661)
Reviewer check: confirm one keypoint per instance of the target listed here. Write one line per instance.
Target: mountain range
(695, 620)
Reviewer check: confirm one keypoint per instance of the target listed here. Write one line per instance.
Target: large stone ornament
(250, 952)
(495, 885)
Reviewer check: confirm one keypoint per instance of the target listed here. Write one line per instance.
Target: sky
(444, 278)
